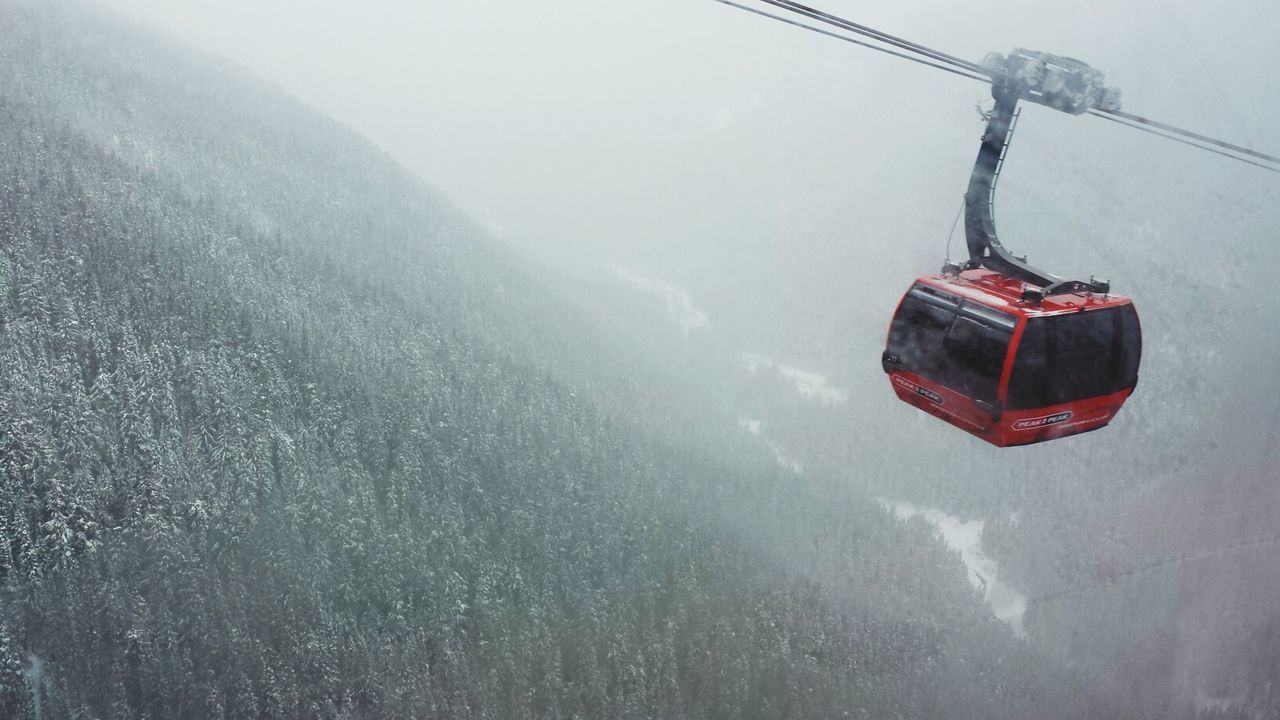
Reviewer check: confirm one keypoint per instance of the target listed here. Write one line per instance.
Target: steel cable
(848, 39)
(1187, 133)
(876, 34)
(957, 66)
(1113, 117)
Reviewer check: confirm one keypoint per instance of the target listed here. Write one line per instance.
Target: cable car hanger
(1054, 81)
(1003, 350)
(985, 73)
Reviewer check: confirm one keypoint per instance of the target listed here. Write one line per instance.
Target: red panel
(997, 291)
(1019, 427)
(1023, 427)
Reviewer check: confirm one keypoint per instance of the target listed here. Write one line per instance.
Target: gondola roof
(1003, 293)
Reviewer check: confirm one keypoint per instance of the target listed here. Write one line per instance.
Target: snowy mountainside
(283, 435)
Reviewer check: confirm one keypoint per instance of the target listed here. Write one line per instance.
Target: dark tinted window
(919, 328)
(1029, 385)
(976, 352)
(1071, 357)
(960, 345)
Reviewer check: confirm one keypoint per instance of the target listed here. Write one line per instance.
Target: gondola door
(946, 355)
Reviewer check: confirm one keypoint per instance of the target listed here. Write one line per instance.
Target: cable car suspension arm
(991, 72)
(985, 248)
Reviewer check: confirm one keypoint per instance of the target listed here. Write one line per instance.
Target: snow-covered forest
(285, 434)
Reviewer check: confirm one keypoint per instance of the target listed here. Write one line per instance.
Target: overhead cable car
(967, 348)
(995, 346)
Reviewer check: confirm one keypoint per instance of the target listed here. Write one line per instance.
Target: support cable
(954, 224)
(1187, 133)
(1110, 117)
(1156, 565)
(848, 39)
(877, 35)
(957, 66)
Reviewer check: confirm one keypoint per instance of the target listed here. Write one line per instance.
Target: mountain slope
(263, 162)
(281, 440)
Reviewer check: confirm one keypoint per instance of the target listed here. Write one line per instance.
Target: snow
(756, 427)
(1207, 703)
(680, 305)
(811, 385)
(34, 673)
(814, 385)
(785, 460)
(1007, 603)
(754, 362)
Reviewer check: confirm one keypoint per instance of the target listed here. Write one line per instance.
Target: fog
(785, 184)
(733, 156)
(714, 216)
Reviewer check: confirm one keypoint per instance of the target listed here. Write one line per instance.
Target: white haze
(734, 157)
(779, 189)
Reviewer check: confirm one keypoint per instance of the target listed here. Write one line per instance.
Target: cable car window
(989, 316)
(1029, 385)
(1130, 345)
(918, 329)
(976, 350)
(1064, 358)
(959, 345)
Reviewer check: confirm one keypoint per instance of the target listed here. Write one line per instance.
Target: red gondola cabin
(970, 349)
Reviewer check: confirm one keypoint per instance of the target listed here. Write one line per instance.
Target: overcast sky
(723, 151)
(489, 98)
